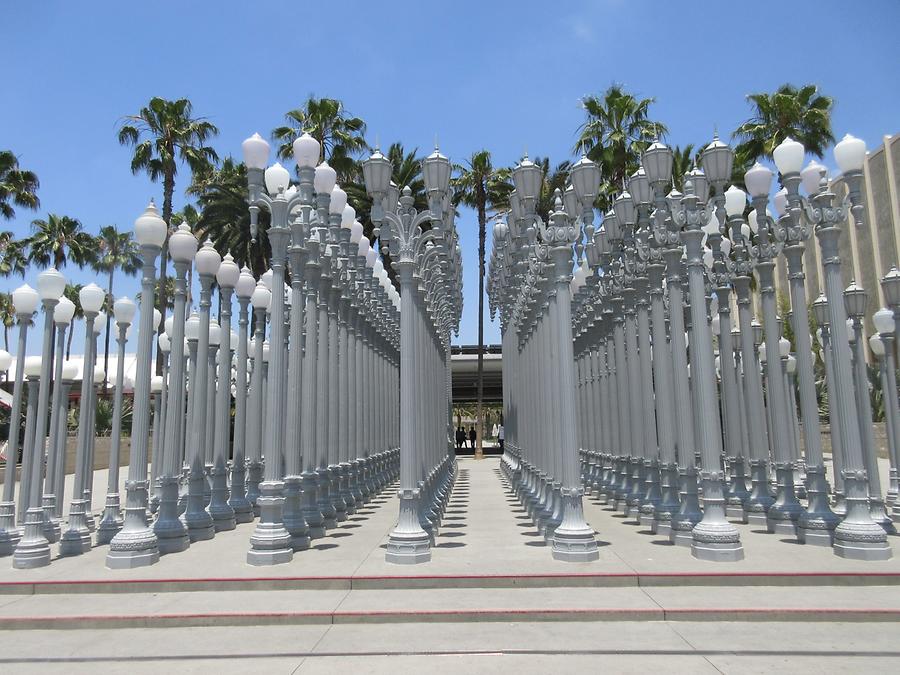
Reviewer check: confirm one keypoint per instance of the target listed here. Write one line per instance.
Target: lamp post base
(271, 542)
(33, 549)
(408, 548)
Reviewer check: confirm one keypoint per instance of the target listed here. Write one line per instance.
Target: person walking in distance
(500, 437)
(460, 438)
(472, 436)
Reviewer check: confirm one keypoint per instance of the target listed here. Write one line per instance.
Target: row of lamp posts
(682, 421)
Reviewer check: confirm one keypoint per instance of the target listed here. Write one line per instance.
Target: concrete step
(448, 581)
(295, 607)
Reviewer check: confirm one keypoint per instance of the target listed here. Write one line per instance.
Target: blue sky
(503, 75)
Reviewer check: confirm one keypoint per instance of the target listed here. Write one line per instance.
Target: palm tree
(340, 135)
(224, 218)
(482, 187)
(617, 129)
(553, 179)
(7, 316)
(115, 250)
(59, 239)
(13, 259)
(16, 185)
(802, 114)
(170, 135)
(71, 292)
(683, 160)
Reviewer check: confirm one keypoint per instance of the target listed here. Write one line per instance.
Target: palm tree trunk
(109, 294)
(71, 330)
(479, 411)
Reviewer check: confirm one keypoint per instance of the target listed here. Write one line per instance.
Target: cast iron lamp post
(124, 310)
(33, 549)
(221, 511)
(62, 317)
(77, 538)
(171, 532)
(857, 536)
(136, 545)
(243, 509)
(885, 325)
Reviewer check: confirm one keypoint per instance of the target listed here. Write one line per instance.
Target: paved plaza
(491, 597)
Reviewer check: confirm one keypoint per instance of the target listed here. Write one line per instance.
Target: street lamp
(243, 509)
(886, 326)
(33, 549)
(124, 310)
(77, 538)
(136, 545)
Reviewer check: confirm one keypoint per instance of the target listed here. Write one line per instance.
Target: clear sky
(501, 75)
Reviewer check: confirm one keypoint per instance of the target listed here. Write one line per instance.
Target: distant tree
(164, 133)
(799, 113)
(115, 251)
(617, 129)
(59, 240)
(481, 186)
(17, 186)
(13, 255)
(341, 136)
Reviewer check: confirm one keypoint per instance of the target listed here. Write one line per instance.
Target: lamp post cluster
(530, 286)
(682, 421)
(315, 390)
(426, 255)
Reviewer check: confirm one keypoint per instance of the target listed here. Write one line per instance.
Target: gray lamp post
(260, 299)
(408, 542)
(855, 301)
(33, 549)
(62, 317)
(171, 532)
(714, 538)
(890, 286)
(221, 511)
(243, 509)
(857, 536)
(136, 545)
(124, 310)
(820, 311)
(198, 520)
(782, 516)
(885, 324)
(77, 538)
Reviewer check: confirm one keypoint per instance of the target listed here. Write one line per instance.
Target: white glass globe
(33, 366)
(277, 179)
(5, 360)
(256, 152)
(91, 298)
(51, 284)
(356, 232)
(149, 228)
(877, 345)
(788, 156)
(348, 216)
(758, 180)
(183, 244)
(124, 310)
(207, 259)
(338, 201)
(228, 273)
(245, 285)
(884, 321)
(65, 310)
(811, 176)
(261, 296)
(192, 327)
(325, 179)
(69, 370)
(850, 153)
(25, 299)
(735, 201)
(306, 151)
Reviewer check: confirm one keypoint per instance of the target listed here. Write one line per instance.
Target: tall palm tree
(7, 316)
(17, 186)
(115, 251)
(13, 256)
(617, 129)
(224, 218)
(163, 134)
(340, 135)
(58, 240)
(484, 188)
(800, 113)
(71, 292)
